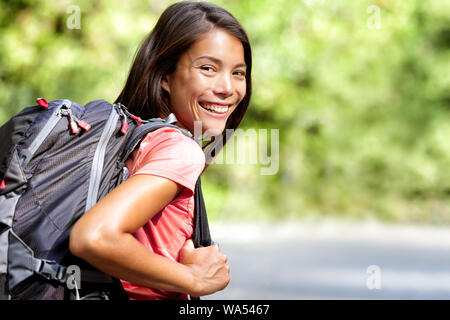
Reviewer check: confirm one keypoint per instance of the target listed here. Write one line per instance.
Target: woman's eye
(207, 68)
(240, 73)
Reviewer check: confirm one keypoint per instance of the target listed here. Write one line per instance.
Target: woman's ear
(165, 84)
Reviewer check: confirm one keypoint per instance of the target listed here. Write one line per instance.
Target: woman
(196, 63)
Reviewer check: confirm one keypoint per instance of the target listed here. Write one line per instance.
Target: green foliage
(362, 105)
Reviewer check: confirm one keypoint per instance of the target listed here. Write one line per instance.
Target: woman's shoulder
(170, 137)
(168, 153)
(165, 133)
(171, 144)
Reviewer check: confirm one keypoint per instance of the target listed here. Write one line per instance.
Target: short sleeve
(168, 153)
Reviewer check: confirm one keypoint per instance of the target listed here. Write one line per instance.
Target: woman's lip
(214, 114)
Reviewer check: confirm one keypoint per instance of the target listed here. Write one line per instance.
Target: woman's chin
(211, 132)
(213, 127)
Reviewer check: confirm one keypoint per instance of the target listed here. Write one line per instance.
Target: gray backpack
(57, 159)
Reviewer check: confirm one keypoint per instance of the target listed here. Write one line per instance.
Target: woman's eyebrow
(218, 61)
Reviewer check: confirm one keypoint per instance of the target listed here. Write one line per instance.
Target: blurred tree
(359, 90)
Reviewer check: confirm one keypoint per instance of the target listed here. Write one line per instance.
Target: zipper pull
(73, 122)
(76, 123)
(42, 102)
(124, 128)
(135, 118)
(84, 125)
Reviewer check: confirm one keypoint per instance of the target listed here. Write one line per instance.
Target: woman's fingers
(209, 267)
(188, 247)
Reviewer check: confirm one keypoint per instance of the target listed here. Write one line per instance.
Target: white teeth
(214, 108)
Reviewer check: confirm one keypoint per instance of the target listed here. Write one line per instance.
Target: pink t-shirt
(167, 153)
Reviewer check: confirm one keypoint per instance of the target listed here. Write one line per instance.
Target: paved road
(330, 260)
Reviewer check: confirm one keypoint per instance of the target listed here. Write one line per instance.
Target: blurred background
(358, 94)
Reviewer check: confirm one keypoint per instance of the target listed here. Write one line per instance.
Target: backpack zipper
(99, 157)
(27, 154)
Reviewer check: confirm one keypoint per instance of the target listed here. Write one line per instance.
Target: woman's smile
(215, 109)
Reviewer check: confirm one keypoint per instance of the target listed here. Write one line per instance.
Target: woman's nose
(223, 85)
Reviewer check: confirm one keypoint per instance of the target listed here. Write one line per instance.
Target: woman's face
(208, 82)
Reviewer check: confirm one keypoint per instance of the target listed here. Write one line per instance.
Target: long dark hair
(179, 26)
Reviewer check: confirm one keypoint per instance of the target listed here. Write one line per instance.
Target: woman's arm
(103, 237)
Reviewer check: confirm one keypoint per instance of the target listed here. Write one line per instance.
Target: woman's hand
(208, 266)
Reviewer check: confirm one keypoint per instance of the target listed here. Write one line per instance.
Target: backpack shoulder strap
(147, 127)
(202, 236)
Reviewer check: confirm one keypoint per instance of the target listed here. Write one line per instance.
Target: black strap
(202, 236)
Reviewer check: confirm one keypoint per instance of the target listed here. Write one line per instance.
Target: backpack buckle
(51, 270)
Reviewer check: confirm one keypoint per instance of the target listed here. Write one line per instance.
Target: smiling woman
(211, 75)
(196, 63)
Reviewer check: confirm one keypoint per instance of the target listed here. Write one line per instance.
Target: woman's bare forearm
(123, 257)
